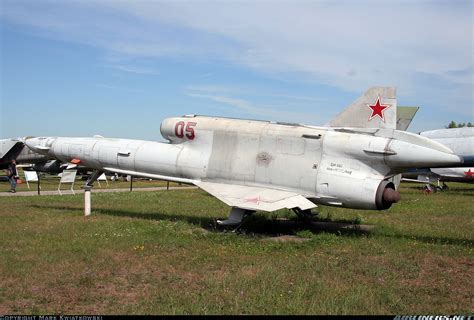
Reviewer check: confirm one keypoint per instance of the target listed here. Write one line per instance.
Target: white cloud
(136, 70)
(268, 112)
(421, 47)
(212, 88)
(119, 88)
(221, 95)
(331, 39)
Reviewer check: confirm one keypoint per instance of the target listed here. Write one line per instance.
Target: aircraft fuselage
(331, 166)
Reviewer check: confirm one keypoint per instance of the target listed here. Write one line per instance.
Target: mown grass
(161, 253)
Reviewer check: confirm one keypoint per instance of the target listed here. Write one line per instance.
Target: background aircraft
(461, 142)
(15, 149)
(405, 116)
(262, 165)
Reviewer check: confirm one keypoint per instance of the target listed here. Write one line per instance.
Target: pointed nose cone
(40, 145)
(32, 143)
(410, 155)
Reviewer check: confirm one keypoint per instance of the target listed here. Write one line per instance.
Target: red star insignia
(255, 200)
(469, 173)
(378, 109)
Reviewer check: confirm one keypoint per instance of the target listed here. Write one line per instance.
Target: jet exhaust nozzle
(386, 195)
(391, 196)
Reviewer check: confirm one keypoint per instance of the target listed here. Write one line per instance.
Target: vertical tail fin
(404, 117)
(376, 108)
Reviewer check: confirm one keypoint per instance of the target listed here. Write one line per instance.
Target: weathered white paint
(261, 165)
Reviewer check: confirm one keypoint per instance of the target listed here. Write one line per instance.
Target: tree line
(453, 124)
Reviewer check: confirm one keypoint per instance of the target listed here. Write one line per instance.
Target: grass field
(161, 253)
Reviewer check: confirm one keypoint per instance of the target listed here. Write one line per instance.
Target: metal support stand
(87, 200)
(87, 191)
(93, 177)
(305, 214)
(167, 185)
(235, 217)
(39, 187)
(131, 183)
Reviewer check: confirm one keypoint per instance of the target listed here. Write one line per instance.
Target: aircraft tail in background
(405, 116)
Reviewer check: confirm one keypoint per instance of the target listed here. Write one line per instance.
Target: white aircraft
(461, 142)
(15, 149)
(261, 165)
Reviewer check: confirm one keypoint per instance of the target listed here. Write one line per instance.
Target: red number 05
(180, 129)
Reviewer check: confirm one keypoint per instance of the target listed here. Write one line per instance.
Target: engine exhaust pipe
(386, 195)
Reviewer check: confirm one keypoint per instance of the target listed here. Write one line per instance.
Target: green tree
(452, 124)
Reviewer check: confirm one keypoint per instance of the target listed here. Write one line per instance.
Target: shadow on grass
(260, 225)
(256, 224)
(203, 222)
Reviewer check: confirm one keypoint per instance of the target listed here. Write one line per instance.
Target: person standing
(12, 174)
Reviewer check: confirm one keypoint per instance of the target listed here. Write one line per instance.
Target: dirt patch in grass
(447, 278)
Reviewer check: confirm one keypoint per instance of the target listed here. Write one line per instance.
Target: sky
(118, 68)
